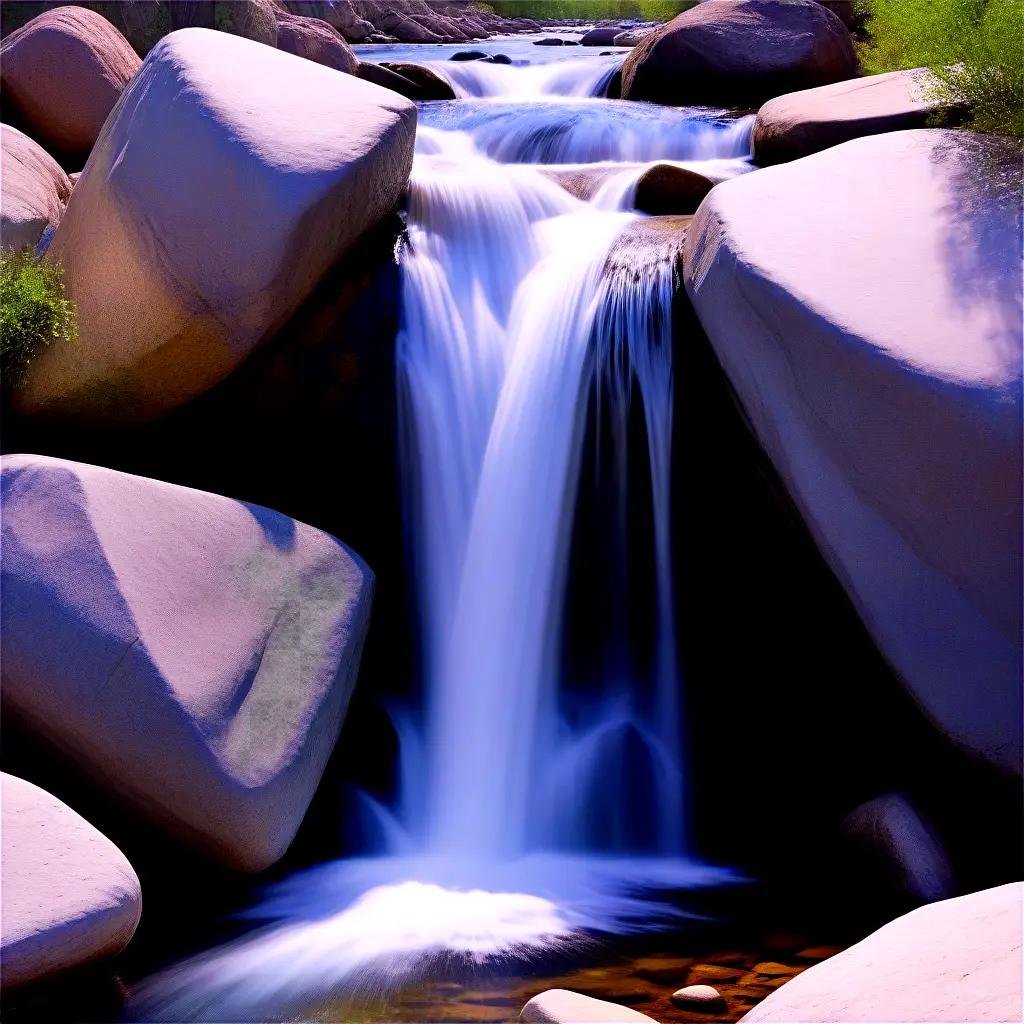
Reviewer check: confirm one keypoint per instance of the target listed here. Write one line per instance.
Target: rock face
(876, 346)
(231, 179)
(61, 75)
(800, 123)
(69, 895)
(193, 653)
(315, 40)
(33, 190)
(739, 52)
(891, 831)
(560, 1006)
(958, 960)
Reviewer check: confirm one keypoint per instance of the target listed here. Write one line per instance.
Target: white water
(531, 813)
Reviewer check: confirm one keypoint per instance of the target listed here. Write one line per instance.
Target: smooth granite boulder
(738, 52)
(800, 123)
(193, 654)
(865, 303)
(560, 1006)
(955, 961)
(61, 75)
(231, 178)
(315, 40)
(33, 190)
(69, 896)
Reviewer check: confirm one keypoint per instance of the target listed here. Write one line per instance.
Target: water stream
(534, 808)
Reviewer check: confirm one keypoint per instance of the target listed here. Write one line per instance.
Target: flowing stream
(539, 801)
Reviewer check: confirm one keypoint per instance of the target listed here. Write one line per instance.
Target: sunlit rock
(958, 960)
(800, 123)
(33, 190)
(69, 896)
(739, 51)
(698, 998)
(315, 40)
(61, 75)
(192, 653)
(560, 1006)
(875, 343)
(232, 177)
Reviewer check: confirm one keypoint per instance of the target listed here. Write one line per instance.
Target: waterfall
(534, 809)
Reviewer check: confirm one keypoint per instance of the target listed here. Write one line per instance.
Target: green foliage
(33, 311)
(975, 48)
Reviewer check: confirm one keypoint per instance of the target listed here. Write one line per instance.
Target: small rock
(548, 42)
(469, 55)
(713, 972)
(560, 1006)
(774, 970)
(499, 58)
(699, 997)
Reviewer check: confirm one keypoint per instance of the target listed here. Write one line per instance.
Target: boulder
(667, 189)
(61, 75)
(560, 1006)
(604, 36)
(339, 14)
(230, 180)
(468, 55)
(631, 36)
(427, 84)
(315, 40)
(550, 41)
(958, 960)
(800, 123)
(69, 896)
(737, 52)
(33, 190)
(250, 19)
(193, 654)
(892, 833)
(699, 999)
(875, 343)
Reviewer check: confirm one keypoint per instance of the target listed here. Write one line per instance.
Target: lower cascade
(542, 799)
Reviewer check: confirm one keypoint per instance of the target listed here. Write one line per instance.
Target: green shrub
(975, 48)
(33, 311)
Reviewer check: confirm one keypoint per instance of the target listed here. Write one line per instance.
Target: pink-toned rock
(739, 52)
(315, 40)
(958, 960)
(69, 896)
(33, 190)
(560, 1006)
(231, 178)
(875, 343)
(61, 75)
(194, 654)
(250, 19)
(800, 123)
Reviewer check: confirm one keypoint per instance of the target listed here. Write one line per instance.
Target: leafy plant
(34, 311)
(974, 48)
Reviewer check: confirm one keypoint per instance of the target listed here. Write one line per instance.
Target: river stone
(429, 84)
(315, 40)
(666, 189)
(560, 1006)
(33, 190)
(882, 376)
(604, 36)
(800, 123)
(232, 177)
(891, 831)
(69, 896)
(61, 75)
(958, 960)
(736, 52)
(191, 653)
(697, 998)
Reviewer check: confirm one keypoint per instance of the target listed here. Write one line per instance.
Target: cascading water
(520, 318)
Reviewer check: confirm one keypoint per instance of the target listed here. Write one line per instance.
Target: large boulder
(800, 123)
(739, 52)
(61, 75)
(315, 40)
(69, 896)
(33, 190)
(194, 654)
(958, 960)
(875, 343)
(231, 178)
